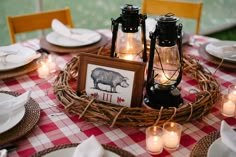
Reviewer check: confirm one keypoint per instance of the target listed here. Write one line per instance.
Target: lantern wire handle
(168, 78)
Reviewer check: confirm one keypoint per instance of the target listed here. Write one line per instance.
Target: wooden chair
(184, 9)
(37, 21)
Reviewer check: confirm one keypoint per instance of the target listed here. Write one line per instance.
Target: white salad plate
(15, 56)
(8, 121)
(68, 152)
(218, 149)
(223, 50)
(87, 37)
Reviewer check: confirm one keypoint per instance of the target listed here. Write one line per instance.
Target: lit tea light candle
(228, 108)
(171, 135)
(154, 143)
(43, 70)
(171, 139)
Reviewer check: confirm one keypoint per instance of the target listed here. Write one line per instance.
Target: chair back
(37, 21)
(184, 9)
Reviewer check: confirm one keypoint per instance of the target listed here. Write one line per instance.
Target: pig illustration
(108, 77)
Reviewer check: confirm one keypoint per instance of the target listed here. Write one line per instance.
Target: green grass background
(96, 14)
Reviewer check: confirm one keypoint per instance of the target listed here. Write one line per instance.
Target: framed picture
(111, 80)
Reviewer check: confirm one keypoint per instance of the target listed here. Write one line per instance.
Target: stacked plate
(15, 56)
(223, 50)
(22, 119)
(10, 119)
(85, 37)
(16, 60)
(217, 148)
(220, 53)
(68, 151)
(85, 40)
(211, 146)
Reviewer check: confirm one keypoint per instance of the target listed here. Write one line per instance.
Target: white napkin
(17, 54)
(228, 136)
(60, 28)
(14, 103)
(89, 148)
(150, 26)
(3, 153)
(221, 51)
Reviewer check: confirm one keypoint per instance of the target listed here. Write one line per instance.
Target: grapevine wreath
(114, 115)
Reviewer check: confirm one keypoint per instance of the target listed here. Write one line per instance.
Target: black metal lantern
(165, 64)
(130, 44)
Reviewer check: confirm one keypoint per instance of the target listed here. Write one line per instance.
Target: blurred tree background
(217, 15)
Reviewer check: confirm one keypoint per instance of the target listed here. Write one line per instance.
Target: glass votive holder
(51, 59)
(232, 93)
(171, 135)
(43, 70)
(228, 107)
(154, 144)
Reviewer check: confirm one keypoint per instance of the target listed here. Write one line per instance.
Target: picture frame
(111, 80)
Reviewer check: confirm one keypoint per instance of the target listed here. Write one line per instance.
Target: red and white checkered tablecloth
(55, 127)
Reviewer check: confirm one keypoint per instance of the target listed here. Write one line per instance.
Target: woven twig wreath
(91, 110)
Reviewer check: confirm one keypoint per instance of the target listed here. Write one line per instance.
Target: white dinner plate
(68, 152)
(8, 121)
(215, 49)
(60, 40)
(17, 56)
(218, 149)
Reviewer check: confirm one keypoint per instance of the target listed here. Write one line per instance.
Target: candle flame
(163, 78)
(129, 57)
(44, 64)
(155, 138)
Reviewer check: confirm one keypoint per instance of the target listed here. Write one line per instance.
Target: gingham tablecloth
(55, 127)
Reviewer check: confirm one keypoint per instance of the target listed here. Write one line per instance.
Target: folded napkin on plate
(17, 54)
(60, 28)
(228, 136)
(221, 51)
(14, 103)
(89, 148)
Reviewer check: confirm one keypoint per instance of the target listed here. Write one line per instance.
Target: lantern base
(166, 98)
